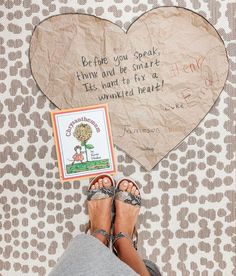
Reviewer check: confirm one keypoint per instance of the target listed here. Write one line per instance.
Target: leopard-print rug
(187, 224)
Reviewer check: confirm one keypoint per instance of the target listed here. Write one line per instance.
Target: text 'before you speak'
(99, 61)
(139, 69)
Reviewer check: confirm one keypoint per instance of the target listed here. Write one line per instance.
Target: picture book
(83, 142)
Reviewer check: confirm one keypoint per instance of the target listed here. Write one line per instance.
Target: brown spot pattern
(187, 220)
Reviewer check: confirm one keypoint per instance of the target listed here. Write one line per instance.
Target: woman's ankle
(123, 244)
(128, 254)
(126, 228)
(101, 238)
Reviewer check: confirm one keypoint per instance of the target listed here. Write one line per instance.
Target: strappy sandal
(128, 198)
(100, 193)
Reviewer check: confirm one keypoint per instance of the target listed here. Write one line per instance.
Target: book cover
(83, 141)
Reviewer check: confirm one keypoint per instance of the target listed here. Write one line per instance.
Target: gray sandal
(104, 192)
(128, 198)
(125, 196)
(136, 201)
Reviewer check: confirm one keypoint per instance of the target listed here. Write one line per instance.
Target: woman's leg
(128, 254)
(126, 217)
(88, 255)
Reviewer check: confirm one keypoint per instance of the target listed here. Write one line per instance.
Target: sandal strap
(98, 231)
(103, 233)
(127, 197)
(104, 192)
(123, 235)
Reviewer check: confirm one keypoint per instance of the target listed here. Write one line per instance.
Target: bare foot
(126, 214)
(100, 210)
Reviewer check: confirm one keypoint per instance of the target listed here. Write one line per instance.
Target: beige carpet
(187, 223)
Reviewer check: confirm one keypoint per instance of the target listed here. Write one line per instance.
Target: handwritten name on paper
(128, 129)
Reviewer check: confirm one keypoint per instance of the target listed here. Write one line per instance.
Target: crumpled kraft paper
(160, 78)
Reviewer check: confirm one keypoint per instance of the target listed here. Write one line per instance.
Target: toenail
(125, 183)
(105, 180)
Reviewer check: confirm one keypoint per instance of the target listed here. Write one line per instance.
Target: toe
(130, 185)
(92, 187)
(100, 182)
(106, 182)
(123, 185)
(100, 185)
(133, 190)
(136, 192)
(96, 185)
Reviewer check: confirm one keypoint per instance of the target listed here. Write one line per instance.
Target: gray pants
(87, 256)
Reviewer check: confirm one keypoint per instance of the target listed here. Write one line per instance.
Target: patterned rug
(187, 223)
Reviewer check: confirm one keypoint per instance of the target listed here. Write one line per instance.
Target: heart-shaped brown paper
(160, 77)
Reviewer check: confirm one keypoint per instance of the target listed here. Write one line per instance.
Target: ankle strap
(123, 235)
(103, 233)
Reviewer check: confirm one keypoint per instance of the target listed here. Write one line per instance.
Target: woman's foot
(125, 220)
(100, 210)
(126, 214)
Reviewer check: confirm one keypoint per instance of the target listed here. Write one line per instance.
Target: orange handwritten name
(177, 69)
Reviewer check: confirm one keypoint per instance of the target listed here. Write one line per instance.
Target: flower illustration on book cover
(83, 142)
(85, 157)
